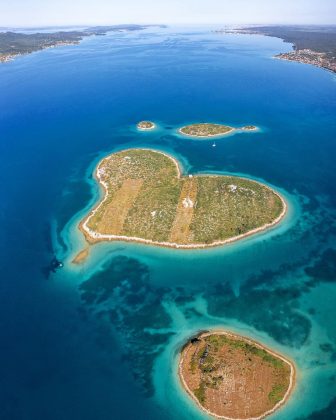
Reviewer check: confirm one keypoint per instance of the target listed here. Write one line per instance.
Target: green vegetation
(147, 199)
(217, 341)
(314, 45)
(215, 382)
(231, 376)
(15, 43)
(276, 394)
(193, 364)
(200, 392)
(249, 127)
(206, 130)
(208, 364)
(231, 206)
(317, 38)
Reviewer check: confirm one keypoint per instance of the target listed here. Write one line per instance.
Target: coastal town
(6, 57)
(311, 45)
(314, 58)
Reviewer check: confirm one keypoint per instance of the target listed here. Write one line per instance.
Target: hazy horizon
(46, 13)
(89, 25)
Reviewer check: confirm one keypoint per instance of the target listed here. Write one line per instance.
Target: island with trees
(249, 128)
(145, 125)
(206, 130)
(233, 377)
(147, 199)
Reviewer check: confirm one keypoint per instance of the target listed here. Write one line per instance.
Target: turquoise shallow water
(102, 340)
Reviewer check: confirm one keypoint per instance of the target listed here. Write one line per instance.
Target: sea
(101, 340)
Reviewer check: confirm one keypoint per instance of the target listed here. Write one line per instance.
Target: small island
(232, 377)
(249, 128)
(145, 125)
(206, 130)
(147, 199)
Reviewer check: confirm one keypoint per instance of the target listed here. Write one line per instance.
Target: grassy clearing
(116, 212)
(277, 393)
(200, 392)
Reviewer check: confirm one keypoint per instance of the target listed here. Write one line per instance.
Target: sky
(101, 12)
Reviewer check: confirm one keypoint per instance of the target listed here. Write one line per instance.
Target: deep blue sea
(101, 341)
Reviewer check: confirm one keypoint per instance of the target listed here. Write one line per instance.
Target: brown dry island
(205, 130)
(232, 377)
(145, 125)
(146, 199)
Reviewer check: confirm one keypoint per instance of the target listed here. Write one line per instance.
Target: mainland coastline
(15, 44)
(202, 366)
(313, 45)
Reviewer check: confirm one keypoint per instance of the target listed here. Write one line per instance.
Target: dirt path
(184, 213)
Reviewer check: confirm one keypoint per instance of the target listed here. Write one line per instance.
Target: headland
(315, 44)
(233, 377)
(14, 44)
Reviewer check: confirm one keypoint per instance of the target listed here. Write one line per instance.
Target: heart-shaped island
(146, 199)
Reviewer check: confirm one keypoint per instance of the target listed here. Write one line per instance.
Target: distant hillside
(317, 38)
(315, 45)
(14, 43)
